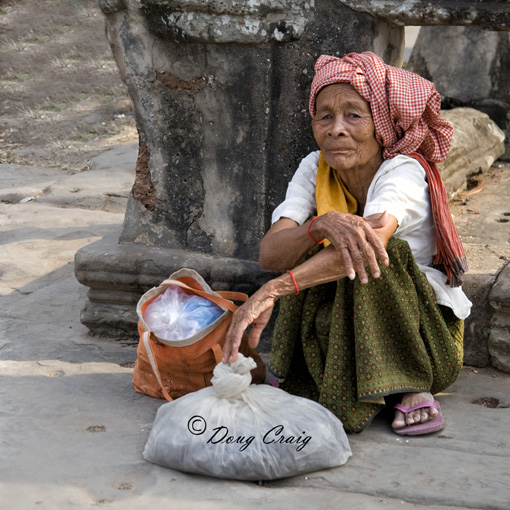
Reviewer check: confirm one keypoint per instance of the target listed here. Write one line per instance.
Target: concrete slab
(19, 182)
(439, 469)
(106, 186)
(37, 239)
(37, 235)
(73, 430)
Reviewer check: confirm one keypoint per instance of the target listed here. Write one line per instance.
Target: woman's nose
(337, 126)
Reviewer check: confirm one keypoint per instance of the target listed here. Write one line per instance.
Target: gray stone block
(500, 293)
(477, 326)
(499, 339)
(470, 68)
(477, 142)
(224, 126)
(499, 348)
(488, 15)
(117, 275)
(486, 266)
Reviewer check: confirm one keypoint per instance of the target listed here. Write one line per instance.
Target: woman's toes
(427, 414)
(433, 412)
(424, 415)
(413, 418)
(399, 420)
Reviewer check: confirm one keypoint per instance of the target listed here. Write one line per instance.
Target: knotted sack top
(230, 380)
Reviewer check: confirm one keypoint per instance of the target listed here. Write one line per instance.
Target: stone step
(483, 222)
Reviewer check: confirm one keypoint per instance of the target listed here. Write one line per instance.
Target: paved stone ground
(72, 430)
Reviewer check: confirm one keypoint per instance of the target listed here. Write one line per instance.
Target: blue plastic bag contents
(175, 315)
(242, 431)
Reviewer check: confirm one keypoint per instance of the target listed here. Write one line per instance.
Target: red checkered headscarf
(406, 113)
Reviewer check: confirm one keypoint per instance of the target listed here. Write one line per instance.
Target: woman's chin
(342, 163)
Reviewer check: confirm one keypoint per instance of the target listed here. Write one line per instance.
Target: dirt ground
(62, 101)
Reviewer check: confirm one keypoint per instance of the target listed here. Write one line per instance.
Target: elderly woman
(371, 307)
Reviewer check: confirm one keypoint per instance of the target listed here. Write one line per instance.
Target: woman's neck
(358, 180)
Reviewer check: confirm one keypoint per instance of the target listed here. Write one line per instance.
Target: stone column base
(118, 274)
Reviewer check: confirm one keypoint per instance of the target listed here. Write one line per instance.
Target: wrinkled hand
(257, 311)
(355, 240)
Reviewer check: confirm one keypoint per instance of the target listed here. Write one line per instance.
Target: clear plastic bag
(237, 430)
(175, 315)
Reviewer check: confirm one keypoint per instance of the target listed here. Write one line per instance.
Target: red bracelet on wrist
(310, 235)
(294, 280)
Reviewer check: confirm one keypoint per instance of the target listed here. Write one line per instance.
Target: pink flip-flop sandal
(418, 429)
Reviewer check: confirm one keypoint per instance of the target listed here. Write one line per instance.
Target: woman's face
(344, 129)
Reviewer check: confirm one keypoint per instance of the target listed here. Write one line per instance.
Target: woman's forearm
(324, 267)
(321, 268)
(329, 264)
(284, 245)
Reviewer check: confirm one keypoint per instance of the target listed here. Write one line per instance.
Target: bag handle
(154, 365)
(232, 295)
(216, 350)
(218, 353)
(222, 299)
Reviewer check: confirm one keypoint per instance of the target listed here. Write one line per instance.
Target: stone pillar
(220, 92)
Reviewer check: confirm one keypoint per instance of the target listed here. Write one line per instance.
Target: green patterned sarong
(347, 345)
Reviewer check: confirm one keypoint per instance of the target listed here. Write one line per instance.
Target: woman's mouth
(343, 150)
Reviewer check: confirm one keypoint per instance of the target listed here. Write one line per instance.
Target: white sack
(241, 431)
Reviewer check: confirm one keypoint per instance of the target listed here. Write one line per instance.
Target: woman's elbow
(277, 250)
(273, 260)
(268, 262)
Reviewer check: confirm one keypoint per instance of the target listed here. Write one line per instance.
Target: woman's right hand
(256, 312)
(355, 240)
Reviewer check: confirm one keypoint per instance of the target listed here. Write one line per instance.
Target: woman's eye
(327, 116)
(355, 116)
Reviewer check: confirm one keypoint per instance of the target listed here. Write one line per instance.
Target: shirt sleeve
(299, 203)
(400, 188)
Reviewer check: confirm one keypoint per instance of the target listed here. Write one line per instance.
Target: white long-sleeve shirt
(400, 188)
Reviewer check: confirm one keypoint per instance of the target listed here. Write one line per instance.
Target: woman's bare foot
(420, 415)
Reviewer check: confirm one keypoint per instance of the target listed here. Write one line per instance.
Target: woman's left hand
(256, 311)
(355, 240)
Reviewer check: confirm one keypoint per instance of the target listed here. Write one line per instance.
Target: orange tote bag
(171, 369)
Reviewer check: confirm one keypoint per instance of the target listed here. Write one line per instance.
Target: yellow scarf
(331, 193)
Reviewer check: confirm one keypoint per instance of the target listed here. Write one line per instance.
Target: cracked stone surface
(46, 214)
